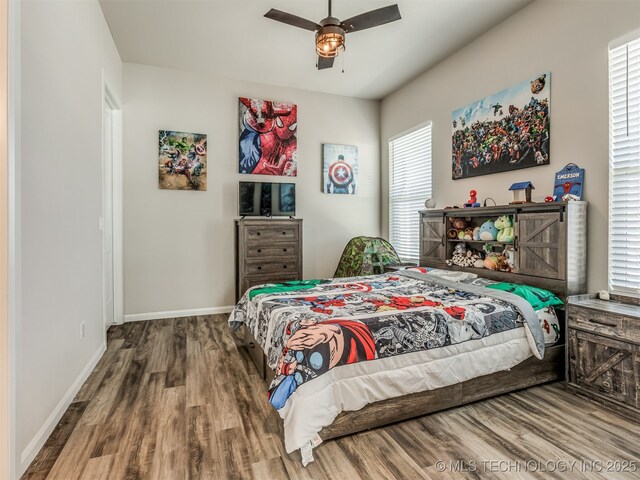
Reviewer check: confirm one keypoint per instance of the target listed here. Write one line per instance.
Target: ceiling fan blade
(290, 19)
(372, 19)
(325, 62)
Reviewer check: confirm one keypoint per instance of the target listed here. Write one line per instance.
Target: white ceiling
(231, 38)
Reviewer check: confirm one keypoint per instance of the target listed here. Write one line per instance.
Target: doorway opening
(111, 219)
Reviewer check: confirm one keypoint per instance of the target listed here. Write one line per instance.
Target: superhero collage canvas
(268, 137)
(505, 131)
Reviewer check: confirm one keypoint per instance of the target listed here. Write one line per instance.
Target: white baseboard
(36, 443)
(138, 317)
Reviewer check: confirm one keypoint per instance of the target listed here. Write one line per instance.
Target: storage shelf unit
(550, 243)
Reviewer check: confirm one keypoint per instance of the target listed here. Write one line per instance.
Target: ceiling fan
(331, 32)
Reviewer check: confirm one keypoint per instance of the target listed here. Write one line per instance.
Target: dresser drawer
(288, 249)
(604, 366)
(254, 280)
(258, 234)
(271, 267)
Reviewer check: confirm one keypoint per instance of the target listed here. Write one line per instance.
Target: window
(409, 187)
(624, 167)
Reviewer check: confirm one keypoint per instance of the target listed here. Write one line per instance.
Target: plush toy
(509, 256)
(468, 233)
(464, 258)
(505, 229)
(495, 262)
(452, 233)
(473, 200)
(458, 223)
(488, 231)
(460, 249)
(476, 233)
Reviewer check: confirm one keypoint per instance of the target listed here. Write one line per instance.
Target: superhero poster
(339, 169)
(268, 142)
(505, 131)
(182, 161)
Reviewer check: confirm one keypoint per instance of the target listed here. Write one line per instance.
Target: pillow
(480, 282)
(537, 297)
(419, 269)
(550, 325)
(451, 275)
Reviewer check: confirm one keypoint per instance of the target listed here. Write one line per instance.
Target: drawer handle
(259, 250)
(608, 323)
(284, 249)
(258, 234)
(284, 266)
(259, 268)
(284, 233)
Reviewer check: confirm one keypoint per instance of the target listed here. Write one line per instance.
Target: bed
(363, 352)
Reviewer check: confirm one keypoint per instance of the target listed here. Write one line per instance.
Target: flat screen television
(266, 199)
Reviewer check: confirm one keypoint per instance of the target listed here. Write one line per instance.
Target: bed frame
(526, 374)
(550, 253)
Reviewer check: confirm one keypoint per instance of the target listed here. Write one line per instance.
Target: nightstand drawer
(604, 366)
(579, 316)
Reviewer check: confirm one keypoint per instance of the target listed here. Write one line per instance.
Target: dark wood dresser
(604, 351)
(267, 250)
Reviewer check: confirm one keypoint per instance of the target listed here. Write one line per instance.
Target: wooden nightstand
(604, 351)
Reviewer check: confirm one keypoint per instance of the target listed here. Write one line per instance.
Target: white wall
(65, 46)
(568, 38)
(179, 245)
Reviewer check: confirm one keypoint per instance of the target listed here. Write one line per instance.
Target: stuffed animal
(476, 233)
(473, 200)
(452, 233)
(495, 262)
(464, 258)
(458, 223)
(468, 233)
(509, 256)
(488, 231)
(505, 229)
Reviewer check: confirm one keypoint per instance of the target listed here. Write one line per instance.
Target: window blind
(624, 168)
(409, 187)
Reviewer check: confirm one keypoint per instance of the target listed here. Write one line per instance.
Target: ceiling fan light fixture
(329, 41)
(330, 32)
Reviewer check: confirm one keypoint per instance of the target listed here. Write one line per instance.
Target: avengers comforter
(339, 344)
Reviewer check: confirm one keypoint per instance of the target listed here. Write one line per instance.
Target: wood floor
(176, 399)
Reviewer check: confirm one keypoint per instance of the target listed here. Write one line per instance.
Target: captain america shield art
(340, 169)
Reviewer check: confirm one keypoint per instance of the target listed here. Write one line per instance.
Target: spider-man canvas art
(268, 143)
